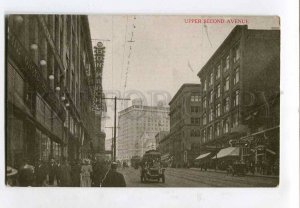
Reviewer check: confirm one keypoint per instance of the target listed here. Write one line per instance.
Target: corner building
(241, 77)
(184, 136)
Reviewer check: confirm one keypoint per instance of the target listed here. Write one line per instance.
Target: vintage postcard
(142, 101)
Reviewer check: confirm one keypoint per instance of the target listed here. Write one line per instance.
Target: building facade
(137, 123)
(241, 77)
(184, 135)
(49, 86)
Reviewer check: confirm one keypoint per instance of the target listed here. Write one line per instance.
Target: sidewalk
(225, 172)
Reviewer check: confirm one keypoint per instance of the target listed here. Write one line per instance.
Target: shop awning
(229, 151)
(202, 156)
(165, 156)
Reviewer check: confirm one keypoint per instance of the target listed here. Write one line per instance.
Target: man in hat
(40, 173)
(113, 178)
(26, 174)
(11, 174)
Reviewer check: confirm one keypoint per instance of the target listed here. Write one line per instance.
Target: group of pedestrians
(79, 173)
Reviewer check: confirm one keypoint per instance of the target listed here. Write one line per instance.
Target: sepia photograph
(142, 101)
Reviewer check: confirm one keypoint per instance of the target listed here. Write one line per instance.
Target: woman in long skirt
(86, 171)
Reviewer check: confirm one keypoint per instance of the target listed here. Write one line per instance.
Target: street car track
(226, 181)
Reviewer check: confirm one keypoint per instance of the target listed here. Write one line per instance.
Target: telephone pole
(115, 125)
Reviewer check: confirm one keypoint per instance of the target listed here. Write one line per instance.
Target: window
(218, 91)
(235, 119)
(218, 110)
(211, 79)
(204, 85)
(226, 126)
(226, 84)
(236, 98)
(195, 120)
(236, 75)
(236, 53)
(195, 98)
(210, 115)
(204, 102)
(226, 105)
(218, 71)
(204, 119)
(195, 133)
(217, 129)
(204, 135)
(211, 97)
(195, 109)
(226, 63)
(210, 132)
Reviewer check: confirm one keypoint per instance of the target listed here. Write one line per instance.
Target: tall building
(50, 73)
(240, 94)
(184, 136)
(159, 137)
(138, 126)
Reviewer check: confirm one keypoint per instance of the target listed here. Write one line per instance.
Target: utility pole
(115, 125)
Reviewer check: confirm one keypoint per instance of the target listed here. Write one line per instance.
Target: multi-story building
(49, 74)
(241, 75)
(137, 123)
(184, 133)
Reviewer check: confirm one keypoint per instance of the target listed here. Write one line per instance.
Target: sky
(154, 55)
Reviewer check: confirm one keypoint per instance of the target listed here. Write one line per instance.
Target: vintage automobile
(151, 168)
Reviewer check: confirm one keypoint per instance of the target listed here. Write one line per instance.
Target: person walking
(75, 173)
(86, 171)
(40, 173)
(52, 170)
(26, 174)
(113, 178)
(99, 170)
(65, 173)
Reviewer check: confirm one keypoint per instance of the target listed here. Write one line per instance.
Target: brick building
(184, 136)
(240, 77)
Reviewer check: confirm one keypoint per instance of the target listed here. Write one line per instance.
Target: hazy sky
(166, 51)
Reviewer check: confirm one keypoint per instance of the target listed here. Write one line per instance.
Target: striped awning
(229, 151)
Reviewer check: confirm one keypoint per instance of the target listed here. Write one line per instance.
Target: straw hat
(10, 171)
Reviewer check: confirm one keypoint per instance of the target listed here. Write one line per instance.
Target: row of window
(235, 80)
(222, 126)
(225, 65)
(226, 108)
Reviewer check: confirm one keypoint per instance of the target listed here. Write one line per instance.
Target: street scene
(142, 101)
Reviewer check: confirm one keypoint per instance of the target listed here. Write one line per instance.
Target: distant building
(160, 136)
(240, 94)
(137, 123)
(184, 136)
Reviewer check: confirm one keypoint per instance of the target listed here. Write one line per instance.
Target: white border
(286, 195)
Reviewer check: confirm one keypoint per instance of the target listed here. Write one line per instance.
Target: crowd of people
(79, 173)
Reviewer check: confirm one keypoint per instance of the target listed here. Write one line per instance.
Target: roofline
(219, 49)
(181, 88)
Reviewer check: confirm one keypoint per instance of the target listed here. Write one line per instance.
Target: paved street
(197, 178)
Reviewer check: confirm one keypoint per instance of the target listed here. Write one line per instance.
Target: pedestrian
(75, 173)
(11, 175)
(26, 174)
(40, 173)
(99, 170)
(86, 171)
(58, 171)
(65, 173)
(52, 170)
(113, 178)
